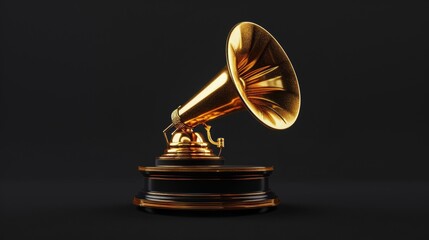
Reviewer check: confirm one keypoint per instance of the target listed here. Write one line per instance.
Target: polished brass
(220, 143)
(258, 76)
(187, 144)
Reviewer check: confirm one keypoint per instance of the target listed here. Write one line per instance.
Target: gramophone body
(258, 77)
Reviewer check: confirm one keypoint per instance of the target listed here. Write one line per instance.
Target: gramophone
(258, 77)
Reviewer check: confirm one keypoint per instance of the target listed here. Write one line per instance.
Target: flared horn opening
(263, 75)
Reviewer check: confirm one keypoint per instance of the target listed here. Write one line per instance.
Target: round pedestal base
(206, 188)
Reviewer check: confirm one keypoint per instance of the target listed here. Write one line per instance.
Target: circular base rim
(207, 206)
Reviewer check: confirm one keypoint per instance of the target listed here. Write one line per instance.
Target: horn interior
(263, 75)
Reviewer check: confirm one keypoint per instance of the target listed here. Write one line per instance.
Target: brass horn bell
(258, 77)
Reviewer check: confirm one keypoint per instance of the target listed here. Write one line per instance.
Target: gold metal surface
(220, 143)
(258, 76)
(187, 144)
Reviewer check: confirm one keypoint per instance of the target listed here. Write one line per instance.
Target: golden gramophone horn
(258, 77)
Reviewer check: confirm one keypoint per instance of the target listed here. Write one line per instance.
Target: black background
(87, 87)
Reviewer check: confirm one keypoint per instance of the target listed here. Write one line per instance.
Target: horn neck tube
(219, 97)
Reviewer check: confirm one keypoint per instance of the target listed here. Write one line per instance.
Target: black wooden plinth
(206, 188)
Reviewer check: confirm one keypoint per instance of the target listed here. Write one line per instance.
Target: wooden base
(206, 188)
